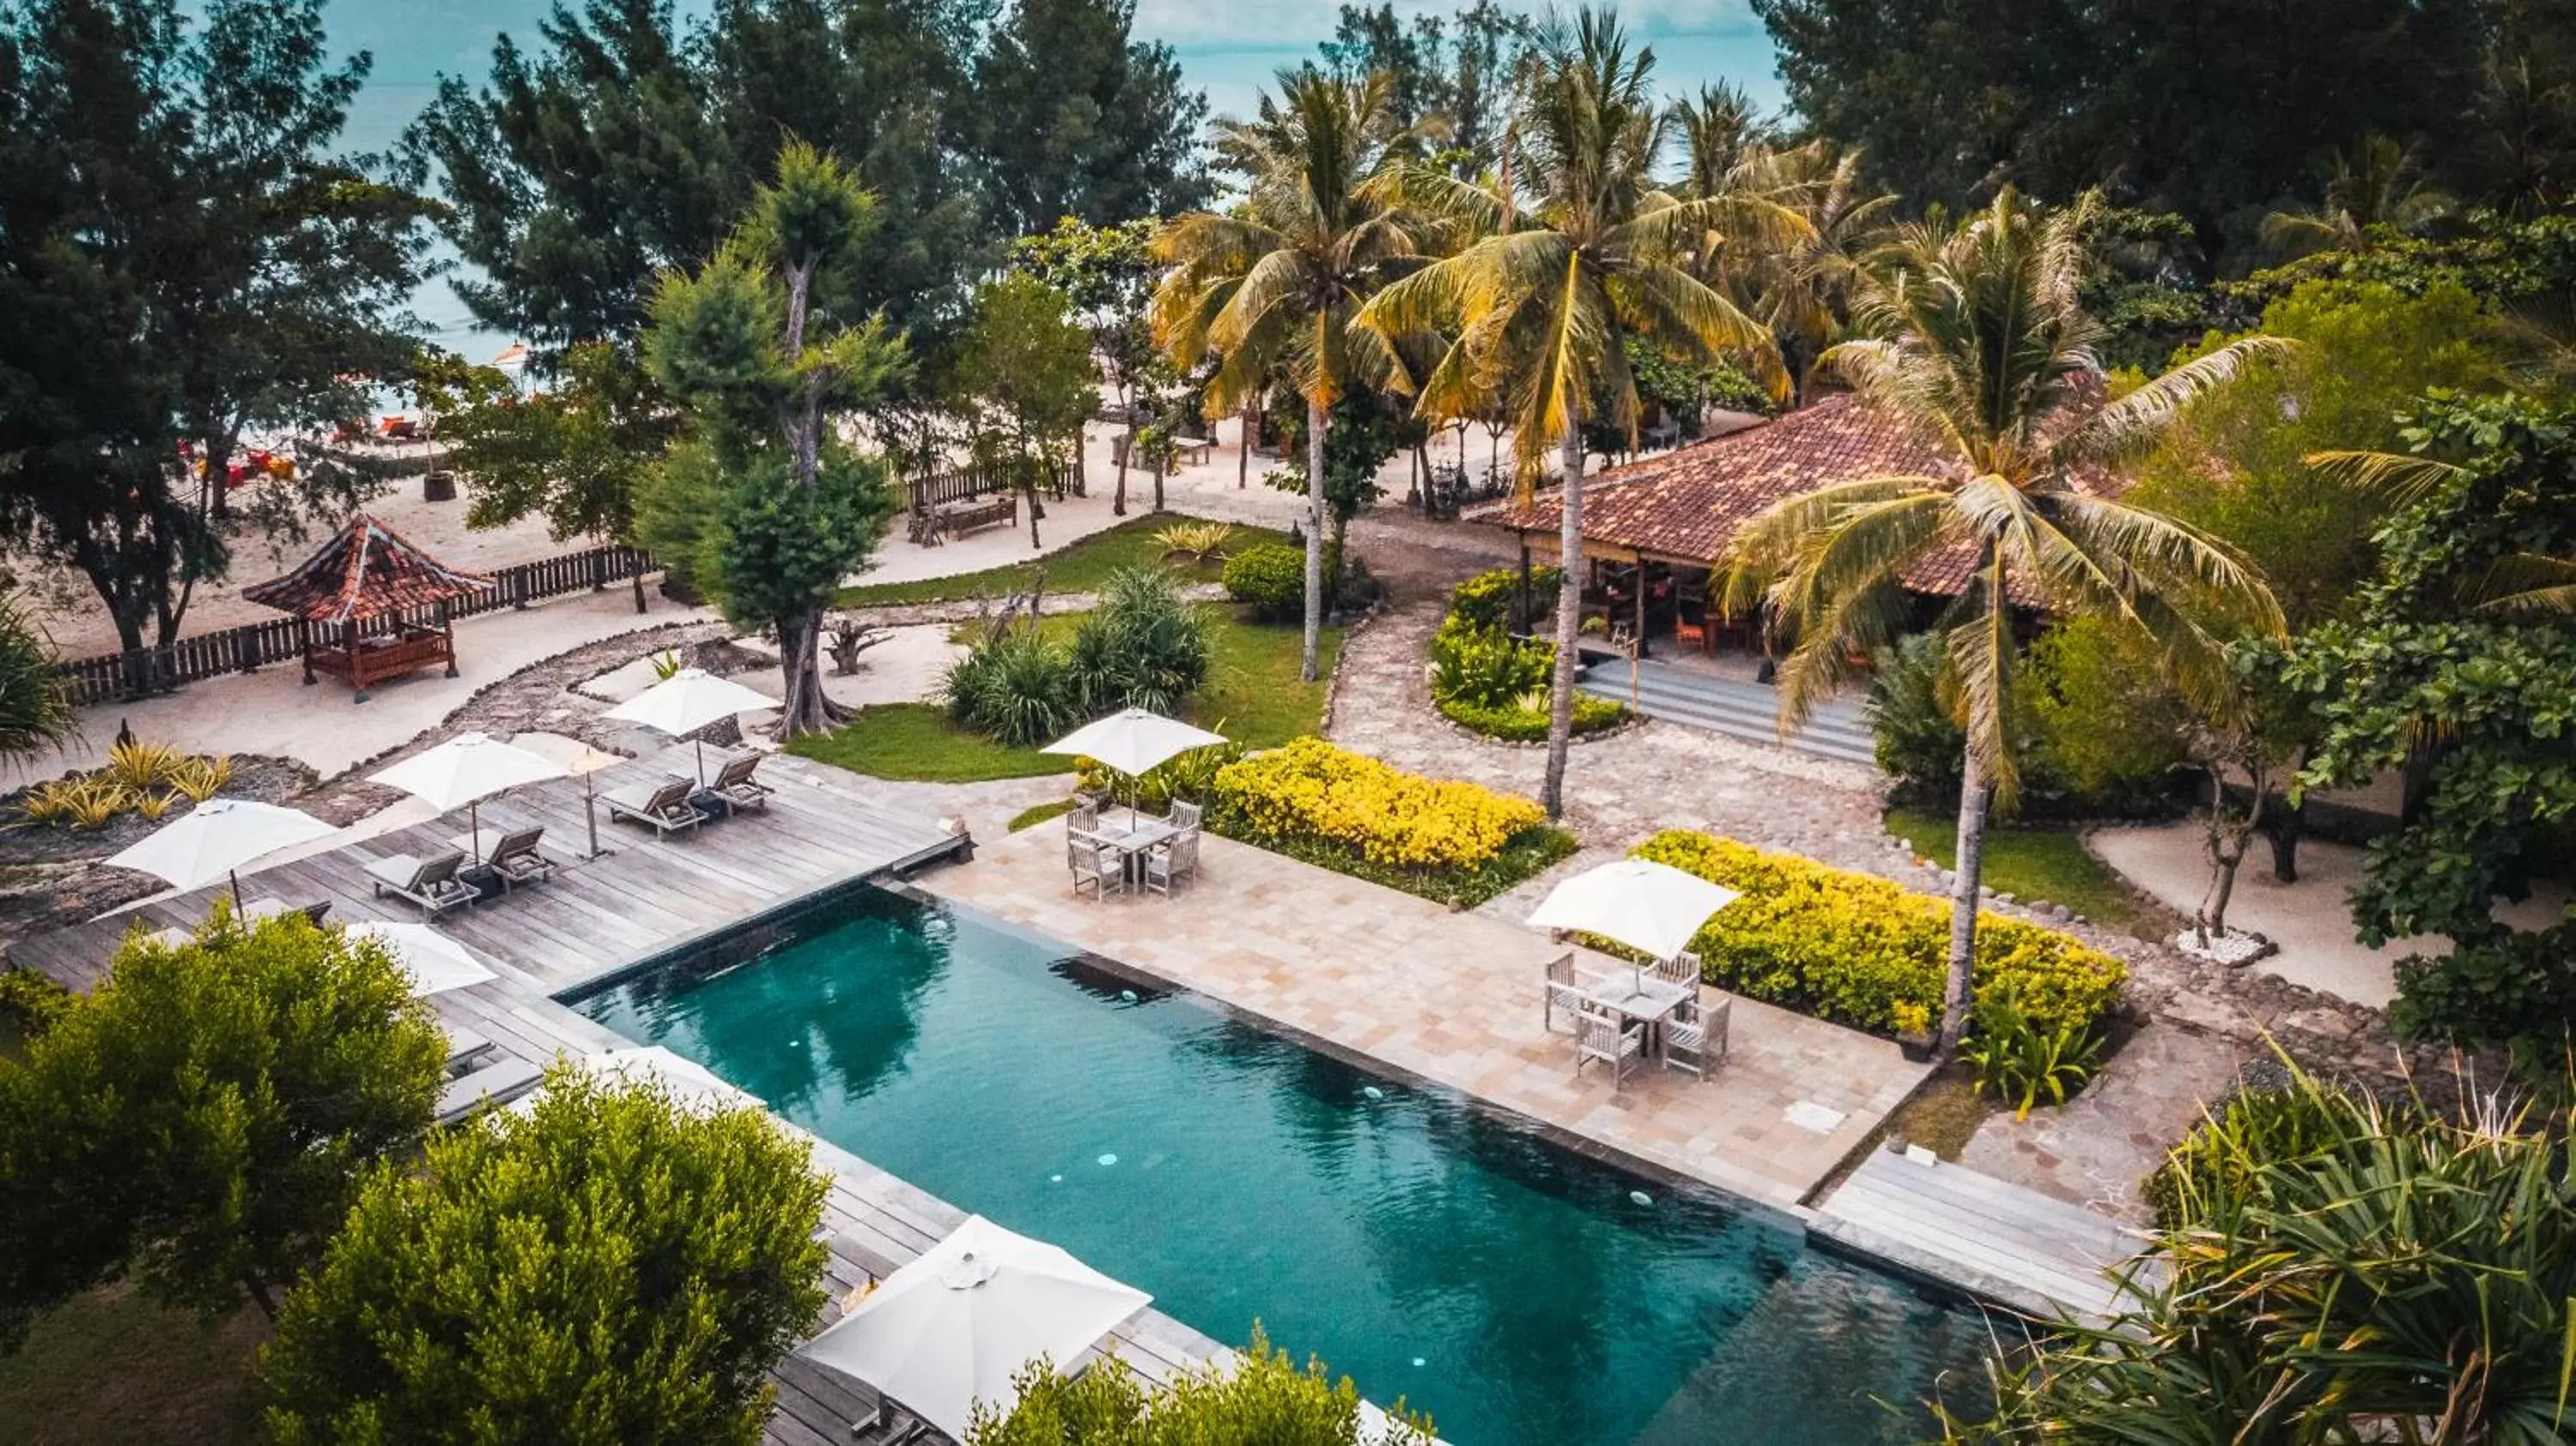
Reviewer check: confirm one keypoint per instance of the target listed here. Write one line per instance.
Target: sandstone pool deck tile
(1453, 998)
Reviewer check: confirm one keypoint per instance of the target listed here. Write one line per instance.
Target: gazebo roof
(366, 571)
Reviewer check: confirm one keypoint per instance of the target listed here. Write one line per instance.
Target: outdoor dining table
(1135, 838)
(1648, 1001)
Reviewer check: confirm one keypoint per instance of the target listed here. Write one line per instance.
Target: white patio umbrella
(1133, 741)
(953, 1327)
(213, 840)
(465, 770)
(687, 701)
(1650, 907)
(689, 1082)
(434, 961)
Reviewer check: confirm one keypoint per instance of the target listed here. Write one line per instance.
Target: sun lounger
(516, 861)
(464, 1047)
(734, 789)
(664, 806)
(495, 1084)
(271, 907)
(430, 882)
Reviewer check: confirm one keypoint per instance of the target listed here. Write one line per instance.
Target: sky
(1228, 48)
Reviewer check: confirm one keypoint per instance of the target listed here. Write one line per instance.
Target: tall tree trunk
(1976, 797)
(1569, 620)
(805, 707)
(1159, 456)
(2227, 841)
(1118, 499)
(1308, 666)
(1243, 453)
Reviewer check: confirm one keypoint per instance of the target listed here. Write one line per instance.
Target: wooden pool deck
(2005, 1242)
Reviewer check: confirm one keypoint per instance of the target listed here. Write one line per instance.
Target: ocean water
(1228, 50)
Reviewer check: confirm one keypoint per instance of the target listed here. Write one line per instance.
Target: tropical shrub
(1486, 666)
(139, 765)
(1261, 1399)
(1270, 579)
(1486, 600)
(2017, 1060)
(2367, 1273)
(1017, 688)
(608, 1267)
(1311, 789)
(202, 1119)
(1851, 948)
(31, 1001)
(1187, 776)
(1197, 541)
(2224, 1158)
(36, 715)
(202, 778)
(1143, 646)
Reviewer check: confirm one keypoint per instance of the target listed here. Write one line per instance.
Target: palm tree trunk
(1569, 620)
(1314, 538)
(1976, 796)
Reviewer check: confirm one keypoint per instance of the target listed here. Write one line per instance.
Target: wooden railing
(111, 676)
(965, 484)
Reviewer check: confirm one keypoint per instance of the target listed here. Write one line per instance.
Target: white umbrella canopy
(1133, 740)
(1650, 907)
(687, 701)
(465, 770)
(217, 837)
(955, 1326)
(435, 962)
(688, 1082)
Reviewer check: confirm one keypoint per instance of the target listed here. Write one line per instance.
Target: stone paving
(1455, 999)
(2096, 1151)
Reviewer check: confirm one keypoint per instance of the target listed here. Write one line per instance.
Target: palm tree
(36, 715)
(1720, 129)
(1272, 288)
(2379, 184)
(1975, 336)
(1536, 309)
(1802, 288)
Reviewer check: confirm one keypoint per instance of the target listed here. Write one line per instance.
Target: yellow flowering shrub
(1310, 789)
(1858, 950)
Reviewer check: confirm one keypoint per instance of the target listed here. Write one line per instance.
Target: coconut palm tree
(1802, 288)
(2380, 183)
(1271, 288)
(1537, 308)
(1720, 129)
(36, 715)
(1975, 336)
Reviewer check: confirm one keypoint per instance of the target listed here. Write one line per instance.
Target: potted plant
(1914, 1032)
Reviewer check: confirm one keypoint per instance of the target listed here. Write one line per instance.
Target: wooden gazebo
(363, 598)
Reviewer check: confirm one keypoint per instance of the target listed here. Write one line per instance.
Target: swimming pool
(1522, 1293)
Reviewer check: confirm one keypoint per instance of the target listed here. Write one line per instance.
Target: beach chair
(1097, 867)
(1175, 858)
(734, 789)
(515, 860)
(1698, 1044)
(465, 1049)
(494, 1085)
(662, 806)
(430, 882)
(270, 908)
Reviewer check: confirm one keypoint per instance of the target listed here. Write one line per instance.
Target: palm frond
(2402, 477)
(2125, 426)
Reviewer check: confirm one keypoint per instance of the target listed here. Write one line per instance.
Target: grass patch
(2035, 863)
(113, 1366)
(1080, 566)
(916, 742)
(1029, 818)
(1943, 1114)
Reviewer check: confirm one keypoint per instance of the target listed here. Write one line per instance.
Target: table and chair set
(1625, 1020)
(1128, 851)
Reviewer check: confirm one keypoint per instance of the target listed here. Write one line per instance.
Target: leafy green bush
(1485, 666)
(1271, 578)
(1018, 689)
(1487, 599)
(1143, 646)
(608, 1266)
(203, 1118)
(30, 1000)
(1260, 1400)
(2221, 1163)
(1188, 776)
(1851, 948)
(2015, 1059)
(1515, 723)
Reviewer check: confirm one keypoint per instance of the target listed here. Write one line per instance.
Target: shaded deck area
(2011, 1244)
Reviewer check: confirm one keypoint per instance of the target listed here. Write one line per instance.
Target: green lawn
(1080, 567)
(2033, 863)
(113, 1366)
(1252, 696)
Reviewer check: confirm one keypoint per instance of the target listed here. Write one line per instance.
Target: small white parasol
(687, 701)
(213, 840)
(434, 961)
(465, 770)
(1650, 907)
(1133, 741)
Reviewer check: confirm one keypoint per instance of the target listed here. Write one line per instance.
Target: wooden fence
(110, 676)
(965, 484)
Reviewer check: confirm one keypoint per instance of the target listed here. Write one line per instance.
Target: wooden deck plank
(2029, 1251)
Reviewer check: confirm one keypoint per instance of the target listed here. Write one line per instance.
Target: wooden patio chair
(1606, 1039)
(430, 882)
(515, 859)
(734, 788)
(1562, 992)
(663, 807)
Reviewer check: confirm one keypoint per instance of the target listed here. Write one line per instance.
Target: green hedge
(1851, 948)
(1515, 724)
(1270, 578)
(1485, 600)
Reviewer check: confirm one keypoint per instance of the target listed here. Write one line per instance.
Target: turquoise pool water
(1516, 1290)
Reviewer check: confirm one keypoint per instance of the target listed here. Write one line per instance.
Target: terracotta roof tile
(1687, 505)
(365, 571)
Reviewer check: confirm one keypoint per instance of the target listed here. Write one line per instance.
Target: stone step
(1749, 711)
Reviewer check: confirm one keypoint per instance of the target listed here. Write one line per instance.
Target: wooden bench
(1187, 451)
(935, 525)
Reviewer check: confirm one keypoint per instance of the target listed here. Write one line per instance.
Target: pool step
(1749, 711)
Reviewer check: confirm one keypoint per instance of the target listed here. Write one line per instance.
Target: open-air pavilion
(373, 606)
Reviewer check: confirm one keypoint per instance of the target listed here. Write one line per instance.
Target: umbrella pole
(235, 876)
(702, 762)
(590, 813)
(474, 822)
